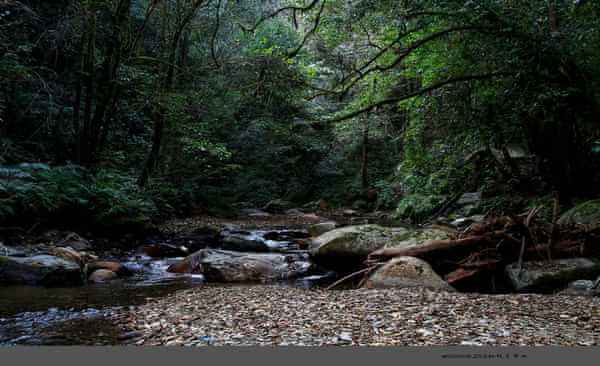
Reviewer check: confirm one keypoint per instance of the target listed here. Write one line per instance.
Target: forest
(299, 172)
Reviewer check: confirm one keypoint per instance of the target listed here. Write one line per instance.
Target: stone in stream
(70, 254)
(8, 251)
(45, 270)
(228, 266)
(163, 250)
(285, 235)
(402, 272)
(548, 276)
(115, 267)
(241, 241)
(201, 238)
(254, 212)
(102, 275)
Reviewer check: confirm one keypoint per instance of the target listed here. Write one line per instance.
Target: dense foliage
(150, 108)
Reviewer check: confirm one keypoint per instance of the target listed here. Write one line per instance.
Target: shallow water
(81, 315)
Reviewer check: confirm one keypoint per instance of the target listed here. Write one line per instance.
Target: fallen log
(435, 247)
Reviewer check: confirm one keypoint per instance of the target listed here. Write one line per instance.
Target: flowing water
(81, 315)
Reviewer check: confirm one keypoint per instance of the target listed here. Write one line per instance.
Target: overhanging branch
(422, 91)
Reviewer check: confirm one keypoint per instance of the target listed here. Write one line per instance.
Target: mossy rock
(549, 276)
(44, 270)
(406, 272)
(585, 213)
(350, 245)
(414, 238)
(354, 241)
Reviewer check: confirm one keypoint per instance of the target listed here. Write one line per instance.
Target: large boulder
(45, 270)
(345, 246)
(353, 241)
(402, 272)
(228, 266)
(414, 238)
(585, 213)
(240, 241)
(539, 276)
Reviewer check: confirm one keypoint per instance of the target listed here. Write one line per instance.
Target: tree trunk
(364, 170)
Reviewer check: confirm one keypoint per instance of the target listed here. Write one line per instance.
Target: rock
(102, 275)
(278, 206)
(67, 253)
(354, 242)
(115, 267)
(74, 241)
(11, 251)
(163, 250)
(242, 241)
(412, 238)
(322, 228)
(45, 270)
(286, 235)
(311, 217)
(585, 213)
(405, 272)
(583, 288)
(228, 266)
(252, 212)
(351, 244)
(552, 275)
(199, 239)
(294, 212)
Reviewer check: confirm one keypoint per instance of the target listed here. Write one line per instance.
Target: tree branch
(417, 93)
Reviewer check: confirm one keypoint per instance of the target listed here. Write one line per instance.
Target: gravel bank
(277, 315)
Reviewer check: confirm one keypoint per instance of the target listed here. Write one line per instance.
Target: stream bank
(156, 306)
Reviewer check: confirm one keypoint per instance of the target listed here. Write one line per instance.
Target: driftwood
(487, 247)
(433, 247)
(365, 272)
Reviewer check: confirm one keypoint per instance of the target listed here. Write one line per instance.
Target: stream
(32, 315)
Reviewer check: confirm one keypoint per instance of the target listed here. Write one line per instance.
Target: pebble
(279, 315)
